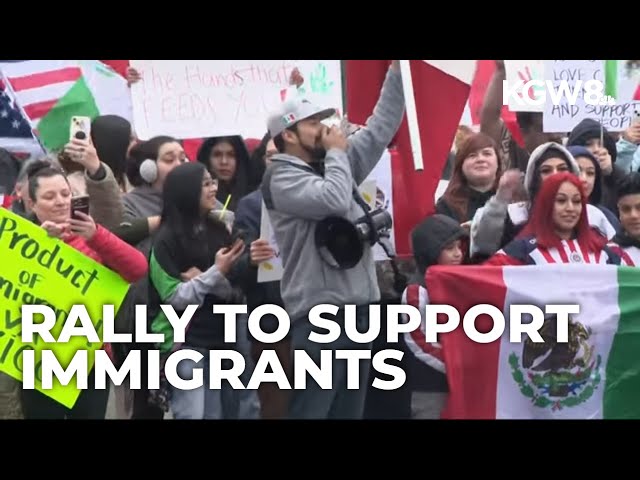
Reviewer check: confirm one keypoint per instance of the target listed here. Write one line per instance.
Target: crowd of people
(168, 225)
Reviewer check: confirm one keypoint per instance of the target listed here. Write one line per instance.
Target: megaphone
(340, 242)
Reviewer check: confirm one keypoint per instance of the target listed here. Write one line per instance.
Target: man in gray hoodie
(311, 178)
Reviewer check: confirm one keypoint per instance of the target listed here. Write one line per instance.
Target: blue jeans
(338, 402)
(202, 403)
(247, 400)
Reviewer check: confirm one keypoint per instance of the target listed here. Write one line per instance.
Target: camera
(341, 242)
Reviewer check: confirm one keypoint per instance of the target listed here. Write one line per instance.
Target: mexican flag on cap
(50, 92)
(595, 375)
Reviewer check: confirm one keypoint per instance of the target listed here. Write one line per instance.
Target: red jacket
(108, 250)
(111, 252)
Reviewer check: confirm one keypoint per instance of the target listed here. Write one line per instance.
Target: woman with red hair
(558, 230)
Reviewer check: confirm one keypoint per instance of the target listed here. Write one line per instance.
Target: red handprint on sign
(527, 76)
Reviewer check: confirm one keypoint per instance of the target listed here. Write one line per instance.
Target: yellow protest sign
(40, 270)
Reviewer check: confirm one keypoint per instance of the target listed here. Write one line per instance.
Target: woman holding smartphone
(193, 261)
(50, 202)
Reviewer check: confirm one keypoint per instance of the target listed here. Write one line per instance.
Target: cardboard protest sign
(269, 270)
(41, 270)
(207, 98)
(616, 115)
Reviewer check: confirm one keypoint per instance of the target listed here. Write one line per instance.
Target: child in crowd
(437, 240)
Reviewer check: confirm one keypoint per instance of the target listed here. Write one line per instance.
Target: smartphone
(79, 204)
(80, 128)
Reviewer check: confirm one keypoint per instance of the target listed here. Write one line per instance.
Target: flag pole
(412, 114)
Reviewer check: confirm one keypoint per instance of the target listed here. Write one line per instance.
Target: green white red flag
(595, 375)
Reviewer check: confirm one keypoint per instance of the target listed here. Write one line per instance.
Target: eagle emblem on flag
(557, 374)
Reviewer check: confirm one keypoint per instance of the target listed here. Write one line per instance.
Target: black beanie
(589, 129)
(429, 238)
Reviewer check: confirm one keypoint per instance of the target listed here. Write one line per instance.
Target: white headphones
(149, 171)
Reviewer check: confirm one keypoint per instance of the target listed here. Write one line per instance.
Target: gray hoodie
(142, 202)
(488, 233)
(145, 201)
(301, 199)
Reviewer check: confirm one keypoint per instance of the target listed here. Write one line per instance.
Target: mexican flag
(596, 375)
(622, 80)
(441, 90)
(50, 92)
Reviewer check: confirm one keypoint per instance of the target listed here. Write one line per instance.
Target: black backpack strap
(367, 215)
(265, 187)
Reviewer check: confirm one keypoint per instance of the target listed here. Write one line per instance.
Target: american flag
(16, 134)
(39, 84)
(36, 86)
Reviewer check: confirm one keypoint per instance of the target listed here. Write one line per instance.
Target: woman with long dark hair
(191, 263)
(228, 159)
(593, 181)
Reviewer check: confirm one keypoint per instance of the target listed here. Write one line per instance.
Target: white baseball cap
(293, 111)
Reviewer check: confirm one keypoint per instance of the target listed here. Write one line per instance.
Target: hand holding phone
(238, 234)
(80, 128)
(79, 204)
(226, 257)
(83, 225)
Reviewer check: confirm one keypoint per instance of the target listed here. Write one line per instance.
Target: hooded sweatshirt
(142, 202)
(426, 369)
(106, 205)
(596, 195)
(300, 198)
(628, 158)
(244, 180)
(589, 129)
(629, 249)
(498, 222)
(178, 246)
